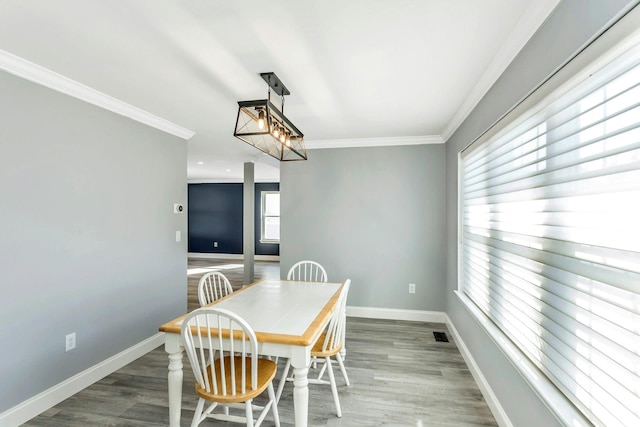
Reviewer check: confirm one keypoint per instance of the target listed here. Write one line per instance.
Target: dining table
(287, 317)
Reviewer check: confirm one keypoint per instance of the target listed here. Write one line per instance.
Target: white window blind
(550, 252)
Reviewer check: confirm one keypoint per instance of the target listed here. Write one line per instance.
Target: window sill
(557, 402)
(270, 242)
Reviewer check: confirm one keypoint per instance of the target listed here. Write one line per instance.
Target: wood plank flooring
(400, 376)
(231, 268)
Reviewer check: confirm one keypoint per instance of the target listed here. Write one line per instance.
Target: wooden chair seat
(318, 349)
(223, 352)
(266, 372)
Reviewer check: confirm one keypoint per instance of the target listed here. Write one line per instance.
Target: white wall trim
(440, 317)
(231, 256)
(28, 70)
(396, 314)
(559, 405)
(489, 396)
(39, 403)
(532, 18)
(230, 180)
(34, 406)
(373, 142)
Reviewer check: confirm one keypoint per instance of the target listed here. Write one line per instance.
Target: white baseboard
(39, 403)
(492, 401)
(232, 256)
(30, 408)
(396, 314)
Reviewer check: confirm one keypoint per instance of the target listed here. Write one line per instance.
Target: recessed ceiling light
(228, 170)
(201, 163)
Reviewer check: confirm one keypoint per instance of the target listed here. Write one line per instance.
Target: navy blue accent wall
(215, 215)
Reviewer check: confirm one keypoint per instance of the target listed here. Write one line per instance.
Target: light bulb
(276, 131)
(288, 141)
(282, 137)
(261, 119)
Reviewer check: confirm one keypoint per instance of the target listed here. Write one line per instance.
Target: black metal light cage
(261, 124)
(248, 130)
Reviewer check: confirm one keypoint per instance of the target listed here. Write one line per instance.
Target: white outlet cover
(70, 342)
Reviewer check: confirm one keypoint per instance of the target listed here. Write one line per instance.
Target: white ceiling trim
(373, 142)
(531, 20)
(28, 70)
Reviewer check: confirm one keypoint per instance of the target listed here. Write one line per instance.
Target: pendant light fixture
(261, 124)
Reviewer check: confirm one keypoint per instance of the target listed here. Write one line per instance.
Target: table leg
(175, 388)
(300, 366)
(300, 396)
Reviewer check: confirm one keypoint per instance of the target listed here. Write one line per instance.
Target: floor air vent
(441, 336)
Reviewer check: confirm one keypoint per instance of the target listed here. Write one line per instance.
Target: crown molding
(532, 18)
(373, 142)
(28, 70)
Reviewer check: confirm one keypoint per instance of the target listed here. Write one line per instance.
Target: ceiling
(360, 72)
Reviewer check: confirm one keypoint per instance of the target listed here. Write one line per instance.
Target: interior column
(248, 227)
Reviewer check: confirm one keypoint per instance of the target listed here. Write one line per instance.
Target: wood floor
(400, 376)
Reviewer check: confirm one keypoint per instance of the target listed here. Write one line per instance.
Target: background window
(270, 232)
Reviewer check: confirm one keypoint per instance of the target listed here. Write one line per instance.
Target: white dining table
(287, 317)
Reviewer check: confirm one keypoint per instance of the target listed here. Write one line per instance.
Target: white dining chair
(327, 346)
(307, 271)
(233, 377)
(311, 271)
(213, 286)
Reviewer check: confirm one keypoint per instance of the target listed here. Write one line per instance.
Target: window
(270, 208)
(550, 237)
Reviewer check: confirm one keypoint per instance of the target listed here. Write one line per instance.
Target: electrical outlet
(70, 341)
(215, 244)
(412, 288)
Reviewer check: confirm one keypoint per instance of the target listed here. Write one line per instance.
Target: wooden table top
(279, 311)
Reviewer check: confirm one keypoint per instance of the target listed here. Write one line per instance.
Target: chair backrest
(334, 337)
(205, 331)
(308, 271)
(213, 286)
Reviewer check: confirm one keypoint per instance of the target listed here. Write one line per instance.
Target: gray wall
(374, 215)
(88, 235)
(572, 24)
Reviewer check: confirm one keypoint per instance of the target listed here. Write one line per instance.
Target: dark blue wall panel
(215, 215)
